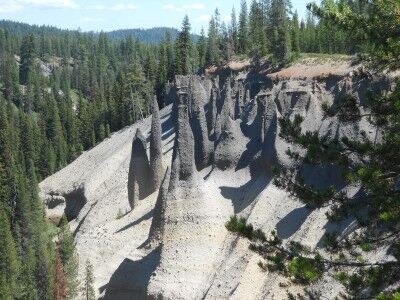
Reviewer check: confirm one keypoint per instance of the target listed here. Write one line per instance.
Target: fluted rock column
(198, 124)
(183, 164)
(158, 221)
(139, 170)
(156, 162)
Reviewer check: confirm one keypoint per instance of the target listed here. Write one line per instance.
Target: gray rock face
(199, 127)
(139, 171)
(247, 97)
(183, 164)
(267, 114)
(212, 110)
(227, 109)
(228, 103)
(156, 154)
(217, 129)
(228, 149)
(157, 224)
(239, 104)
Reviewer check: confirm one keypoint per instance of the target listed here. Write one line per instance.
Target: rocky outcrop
(227, 150)
(156, 154)
(157, 224)
(183, 162)
(238, 94)
(212, 112)
(267, 113)
(198, 124)
(139, 171)
(247, 97)
(228, 102)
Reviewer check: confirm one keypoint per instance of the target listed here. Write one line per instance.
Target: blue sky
(109, 15)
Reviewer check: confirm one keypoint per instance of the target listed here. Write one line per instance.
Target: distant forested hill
(150, 36)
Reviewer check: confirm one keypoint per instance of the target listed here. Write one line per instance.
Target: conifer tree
(295, 34)
(9, 261)
(281, 43)
(89, 282)
(184, 48)
(28, 55)
(213, 56)
(233, 30)
(69, 257)
(202, 48)
(61, 286)
(243, 32)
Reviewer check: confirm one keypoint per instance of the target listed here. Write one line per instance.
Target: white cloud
(116, 7)
(92, 20)
(14, 5)
(51, 3)
(207, 18)
(185, 7)
(226, 18)
(10, 6)
(120, 7)
(204, 18)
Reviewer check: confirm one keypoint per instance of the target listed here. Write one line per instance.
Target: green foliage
(375, 22)
(389, 296)
(10, 265)
(306, 270)
(370, 164)
(89, 291)
(69, 257)
(246, 230)
(373, 278)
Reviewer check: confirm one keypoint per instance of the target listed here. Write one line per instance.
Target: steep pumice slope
(173, 244)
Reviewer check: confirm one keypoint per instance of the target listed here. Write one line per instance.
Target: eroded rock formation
(156, 154)
(198, 124)
(139, 171)
(183, 164)
(157, 224)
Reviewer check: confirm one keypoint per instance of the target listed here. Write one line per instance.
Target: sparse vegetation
(120, 214)
(306, 270)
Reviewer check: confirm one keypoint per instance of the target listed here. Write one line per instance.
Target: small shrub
(388, 296)
(277, 262)
(366, 247)
(242, 228)
(330, 240)
(306, 270)
(120, 214)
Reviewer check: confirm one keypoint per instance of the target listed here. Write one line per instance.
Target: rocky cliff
(219, 141)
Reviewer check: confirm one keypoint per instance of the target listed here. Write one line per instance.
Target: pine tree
(233, 31)
(184, 48)
(9, 261)
(295, 34)
(202, 48)
(243, 32)
(61, 286)
(213, 56)
(89, 282)
(256, 30)
(28, 55)
(281, 43)
(10, 78)
(69, 257)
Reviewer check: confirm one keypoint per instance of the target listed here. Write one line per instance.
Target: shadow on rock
(131, 278)
(141, 219)
(245, 195)
(288, 226)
